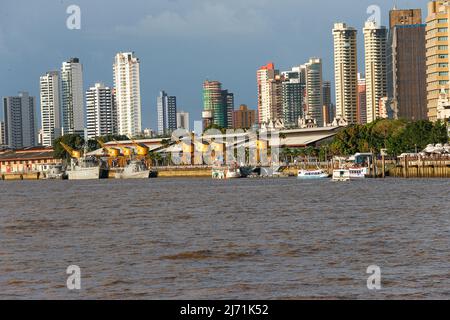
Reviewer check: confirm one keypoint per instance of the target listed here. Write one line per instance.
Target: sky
(180, 43)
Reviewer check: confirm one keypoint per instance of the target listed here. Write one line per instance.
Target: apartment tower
(127, 94)
(345, 71)
(100, 111)
(50, 107)
(437, 43)
(314, 93)
(270, 106)
(375, 40)
(72, 104)
(20, 121)
(167, 113)
(406, 65)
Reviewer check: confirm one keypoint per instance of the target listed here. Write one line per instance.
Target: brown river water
(235, 239)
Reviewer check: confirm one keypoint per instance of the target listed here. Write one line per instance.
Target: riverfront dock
(418, 167)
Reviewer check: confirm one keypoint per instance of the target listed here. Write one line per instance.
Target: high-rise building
(167, 113)
(244, 118)
(50, 107)
(127, 94)
(100, 111)
(314, 94)
(406, 65)
(345, 71)
(362, 100)
(437, 35)
(72, 104)
(293, 95)
(183, 120)
(228, 100)
(375, 39)
(328, 110)
(270, 103)
(2, 133)
(20, 121)
(215, 104)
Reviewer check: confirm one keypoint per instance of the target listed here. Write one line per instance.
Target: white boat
(341, 175)
(358, 173)
(134, 170)
(53, 172)
(226, 172)
(87, 168)
(312, 174)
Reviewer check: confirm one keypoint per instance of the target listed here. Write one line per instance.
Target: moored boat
(341, 175)
(87, 168)
(134, 170)
(358, 172)
(312, 174)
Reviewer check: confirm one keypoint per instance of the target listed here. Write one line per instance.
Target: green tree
(215, 126)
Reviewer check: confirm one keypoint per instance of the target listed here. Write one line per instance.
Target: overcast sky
(180, 42)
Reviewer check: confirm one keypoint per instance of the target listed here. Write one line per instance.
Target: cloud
(209, 19)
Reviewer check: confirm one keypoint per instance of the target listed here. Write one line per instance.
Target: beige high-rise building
(345, 71)
(437, 53)
(375, 38)
(270, 104)
(127, 94)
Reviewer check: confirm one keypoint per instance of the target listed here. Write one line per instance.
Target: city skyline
(96, 49)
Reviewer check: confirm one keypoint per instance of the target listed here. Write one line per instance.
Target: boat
(221, 173)
(87, 168)
(341, 175)
(134, 170)
(226, 172)
(312, 174)
(53, 172)
(358, 172)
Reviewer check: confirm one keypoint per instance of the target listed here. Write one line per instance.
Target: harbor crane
(75, 154)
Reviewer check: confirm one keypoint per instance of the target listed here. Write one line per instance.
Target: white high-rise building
(345, 72)
(100, 111)
(72, 103)
(314, 93)
(20, 121)
(127, 94)
(183, 120)
(50, 107)
(375, 38)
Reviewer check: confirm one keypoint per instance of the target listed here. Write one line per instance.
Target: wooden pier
(418, 167)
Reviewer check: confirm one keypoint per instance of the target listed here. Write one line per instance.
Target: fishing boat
(312, 174)
(134, 170)
(341, 175)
